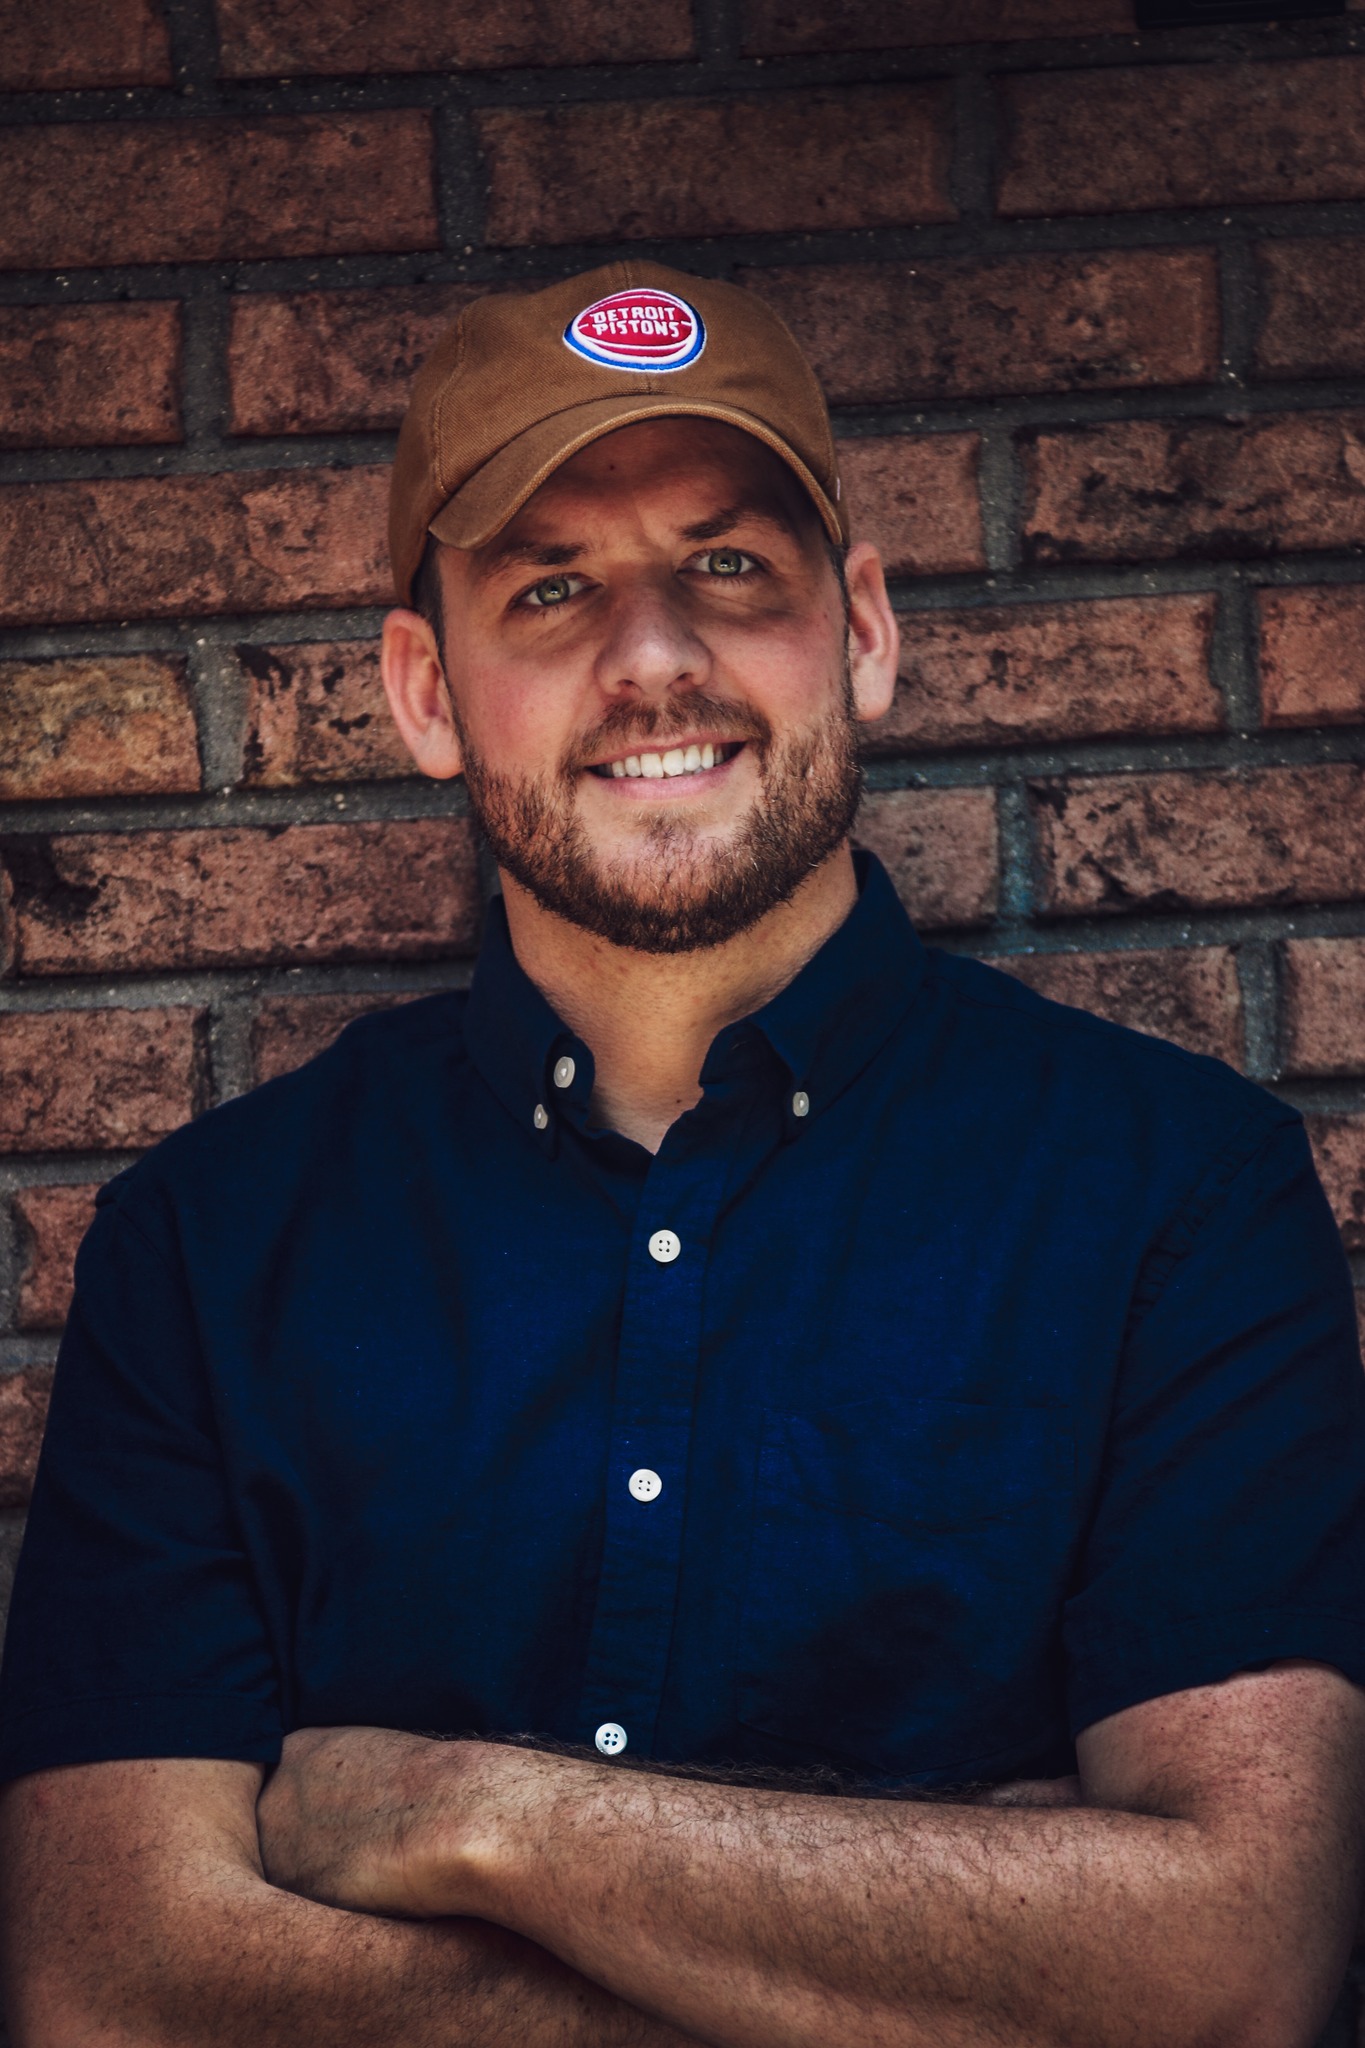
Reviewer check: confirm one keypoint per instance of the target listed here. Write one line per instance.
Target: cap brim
(483, 505)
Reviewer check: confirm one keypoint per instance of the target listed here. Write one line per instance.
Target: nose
(651, 646)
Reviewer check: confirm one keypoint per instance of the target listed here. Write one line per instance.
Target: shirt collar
(824, 1027)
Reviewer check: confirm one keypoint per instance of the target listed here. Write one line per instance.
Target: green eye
(554, 590)
(726, 562)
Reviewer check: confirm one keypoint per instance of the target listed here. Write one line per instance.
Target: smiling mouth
(693, 760)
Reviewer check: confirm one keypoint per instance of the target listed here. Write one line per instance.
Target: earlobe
(873, 634)
(419, 699)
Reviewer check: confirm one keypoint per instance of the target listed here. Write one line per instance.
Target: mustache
(628, 726)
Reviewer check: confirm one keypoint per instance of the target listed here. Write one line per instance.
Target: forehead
(680, 465)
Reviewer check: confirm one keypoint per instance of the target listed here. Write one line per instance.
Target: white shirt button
(541, 1117)
(564, 1072)
(664, 1246)
(800, 1103)
(610, 1738)
(646, 1485)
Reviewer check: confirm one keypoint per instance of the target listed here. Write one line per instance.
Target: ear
(874, 639)
(415, 685)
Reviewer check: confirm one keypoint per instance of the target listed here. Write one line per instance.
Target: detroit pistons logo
(638, 330)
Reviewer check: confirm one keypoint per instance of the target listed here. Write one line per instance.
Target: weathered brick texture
(1118, 843)
(99, 903)
(1150, 490)
(332, 362)
(916, 497)
(204, 191)
(318, 714)
(122, 726)
(277, 38)
(1117, 141)
(941, 848)
(83, 42)
(287, 1030)
(1190, 995)
(97, 1080)
(23, 1412)
(52, 1221)
(1007, 674)
(159, 547)
(1313, 293)
(782, 27)
(1324, 1007)
(86, 376)
(949, 328)
(1339, 1150)
(1313, 655)
(635, 170)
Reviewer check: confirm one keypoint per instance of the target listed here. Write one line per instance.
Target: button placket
(655, 1391)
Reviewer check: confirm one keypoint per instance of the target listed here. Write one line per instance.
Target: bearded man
(891, 1448)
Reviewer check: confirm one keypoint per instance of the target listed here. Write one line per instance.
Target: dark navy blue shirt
(995, 1369)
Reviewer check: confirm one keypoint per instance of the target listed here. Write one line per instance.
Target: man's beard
(676, 892)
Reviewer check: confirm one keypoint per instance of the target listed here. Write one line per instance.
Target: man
(780, 1370)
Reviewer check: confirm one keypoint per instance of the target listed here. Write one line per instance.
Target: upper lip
(666, 746)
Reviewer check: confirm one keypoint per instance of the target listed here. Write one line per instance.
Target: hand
(1033, 1792)
(349, 1815)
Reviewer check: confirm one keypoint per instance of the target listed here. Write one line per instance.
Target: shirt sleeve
(1229, 1528)
(135, 1629)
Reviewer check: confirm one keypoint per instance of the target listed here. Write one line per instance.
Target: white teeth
(692, 760)
(633, 765)
(675, 761)
(651, 766)
(708, 755)
(618, 768)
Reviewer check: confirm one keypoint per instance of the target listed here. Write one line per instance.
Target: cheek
(512, 724)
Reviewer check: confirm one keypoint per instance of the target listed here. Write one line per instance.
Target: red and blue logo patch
(638, 329)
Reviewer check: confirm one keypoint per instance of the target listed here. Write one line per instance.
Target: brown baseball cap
(522, 381)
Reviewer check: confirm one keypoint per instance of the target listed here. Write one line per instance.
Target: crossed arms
(390, 1890)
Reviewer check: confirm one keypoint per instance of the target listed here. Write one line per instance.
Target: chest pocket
(905, 1578)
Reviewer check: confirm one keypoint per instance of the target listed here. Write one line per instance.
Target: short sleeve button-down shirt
(959, 1371)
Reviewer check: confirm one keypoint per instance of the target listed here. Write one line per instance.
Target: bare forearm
(758, 1918)
(136, 1916)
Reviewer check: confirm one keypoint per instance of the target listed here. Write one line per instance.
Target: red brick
(916, 496)
(87, 376)
(1188, 994)
(1120, 141)
(1009, 674)
(863, 157)
(332, 362)
(1312, 655)
(52, 1221)
(1339, 1150)
(282, 38)
(1155, 489)
(203, 191)
(118, 725)
(776, 27)
(167, 546)
(952, 328)
(100, 902)
(318, 714)
(941, 848)
(1202, 841)
(98, 1080)
(1324, 1008)
(287, 1030)
(83, 42)
(1314, 298)
(24, 1397)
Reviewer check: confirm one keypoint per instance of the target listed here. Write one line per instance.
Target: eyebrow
(725, 521)
(540, 554)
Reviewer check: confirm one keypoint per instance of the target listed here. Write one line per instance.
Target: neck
(649, 1018)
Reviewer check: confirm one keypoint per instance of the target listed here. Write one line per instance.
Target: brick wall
(1091, 311)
